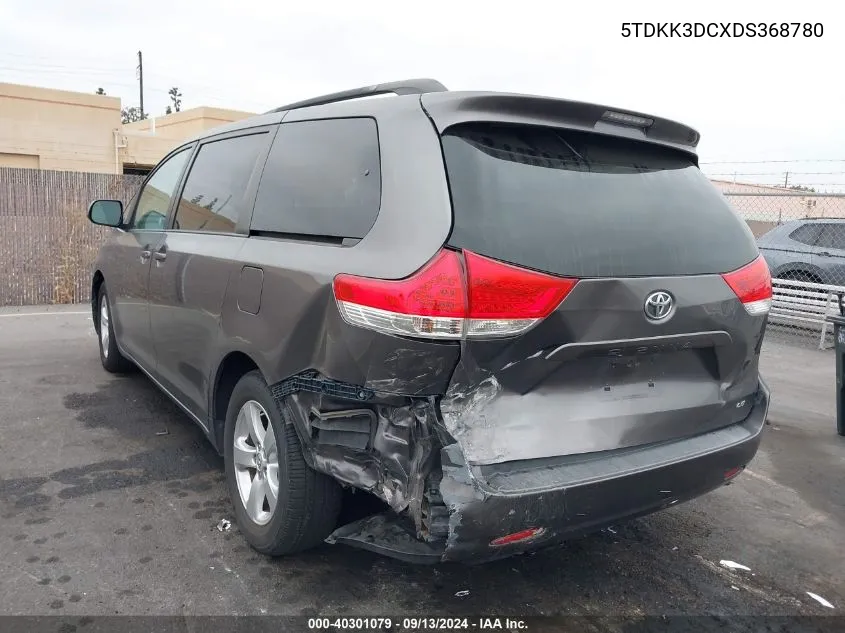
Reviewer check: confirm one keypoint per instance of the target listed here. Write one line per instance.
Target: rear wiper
(571, 149)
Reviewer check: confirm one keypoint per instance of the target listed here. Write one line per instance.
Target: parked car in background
(512, 319)
(810, 250)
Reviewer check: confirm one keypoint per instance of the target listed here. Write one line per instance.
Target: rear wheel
(111, 358)
(282, 506)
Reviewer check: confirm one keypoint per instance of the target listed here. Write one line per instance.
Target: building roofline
(200, 112)
(751, 184)
(68, 97)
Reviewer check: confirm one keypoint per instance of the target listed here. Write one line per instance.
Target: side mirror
(106, 213)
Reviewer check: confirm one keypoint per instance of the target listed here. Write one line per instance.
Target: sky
(754, 101)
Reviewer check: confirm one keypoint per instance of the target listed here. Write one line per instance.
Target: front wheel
(111, 358)
(282, 506)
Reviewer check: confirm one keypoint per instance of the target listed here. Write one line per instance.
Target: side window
(832, 236)
(214, 189)
(321, 178)
(154, 201)
(806, 234)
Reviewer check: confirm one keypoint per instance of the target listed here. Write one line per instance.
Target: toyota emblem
(658, 305)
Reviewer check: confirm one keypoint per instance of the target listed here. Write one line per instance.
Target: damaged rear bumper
(564, 497)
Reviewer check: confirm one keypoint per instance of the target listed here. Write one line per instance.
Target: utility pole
(141, 80)
(786, 180)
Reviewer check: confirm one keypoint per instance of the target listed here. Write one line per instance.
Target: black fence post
(839, 349)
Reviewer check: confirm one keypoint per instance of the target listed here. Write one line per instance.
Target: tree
(130, 114)
(100, 91)
(176, 98)
(803, 188)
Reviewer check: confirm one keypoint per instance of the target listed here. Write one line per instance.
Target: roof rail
(405, 87)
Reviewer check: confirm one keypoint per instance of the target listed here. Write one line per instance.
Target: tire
(307, 503)
(111, 358)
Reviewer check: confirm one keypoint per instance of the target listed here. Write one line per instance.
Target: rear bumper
(575, 495)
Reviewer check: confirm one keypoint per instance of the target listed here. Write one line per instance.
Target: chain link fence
(802, 236)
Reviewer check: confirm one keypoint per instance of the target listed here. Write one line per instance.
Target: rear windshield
(587, 205)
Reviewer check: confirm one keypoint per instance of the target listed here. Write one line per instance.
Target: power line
(27, 56)
(199, 95)
(38, 67)
(101, 79)
(75, 72)
(763, 162)
(780, 184)
(778, 173)
(104, 75)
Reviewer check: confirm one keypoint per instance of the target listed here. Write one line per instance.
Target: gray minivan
(512, 319)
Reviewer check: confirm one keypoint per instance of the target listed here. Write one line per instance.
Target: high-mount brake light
(623, 118)
(752, 284)
(491, 299)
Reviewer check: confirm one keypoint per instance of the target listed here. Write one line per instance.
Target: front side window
(322, 178)
(215, 187)
(154, 201)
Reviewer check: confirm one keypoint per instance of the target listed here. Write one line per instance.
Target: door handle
(160, 254)
(145, 255)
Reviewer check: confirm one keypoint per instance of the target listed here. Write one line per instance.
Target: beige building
(41, 128)
(762, 202)
(765, 207)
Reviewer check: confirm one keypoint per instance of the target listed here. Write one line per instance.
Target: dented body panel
(567, 497)
(573, 496)
(597, 375)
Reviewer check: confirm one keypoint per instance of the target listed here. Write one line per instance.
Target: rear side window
(806, 234)
(322, 178)
(832, 236)
(215, 187)
(586, 205)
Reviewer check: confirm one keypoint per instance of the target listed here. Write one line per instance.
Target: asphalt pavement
(110, 500)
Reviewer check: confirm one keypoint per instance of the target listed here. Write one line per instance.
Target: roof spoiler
(451, 108)
(404, 87)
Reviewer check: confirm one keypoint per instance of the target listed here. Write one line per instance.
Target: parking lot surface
(110, 499)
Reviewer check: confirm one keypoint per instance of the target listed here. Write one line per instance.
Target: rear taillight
(490, 299)
(506, 300)
(753, 285)
(431, 302)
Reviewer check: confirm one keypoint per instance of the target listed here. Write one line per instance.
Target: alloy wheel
(256, 462)
(104, 325)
